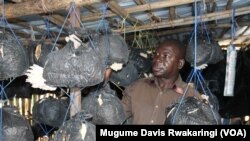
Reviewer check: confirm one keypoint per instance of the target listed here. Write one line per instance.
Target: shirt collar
(176, 85)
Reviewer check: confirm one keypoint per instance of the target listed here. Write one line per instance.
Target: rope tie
(135, 24)
(123, 26)
(195, 74)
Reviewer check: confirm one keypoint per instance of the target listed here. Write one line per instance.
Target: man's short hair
(175, 43)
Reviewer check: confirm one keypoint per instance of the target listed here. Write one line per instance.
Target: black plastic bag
(50, 111)
(39, 53)
(14, 59)
(208, 51)
(77, 129)
(15, 127)
(105, 107)
(70, 67)
(112, 48)
(192, 112)
(18, 88)
(126, 76)
(142, 63)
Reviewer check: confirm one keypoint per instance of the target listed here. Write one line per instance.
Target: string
(70, 9)
(104, 12)
(78, 18)
(107, 41)
(124, 26)
(5, 22)
(195, 74)
(232, 28)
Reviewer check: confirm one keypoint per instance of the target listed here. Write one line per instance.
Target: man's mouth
(156, 69)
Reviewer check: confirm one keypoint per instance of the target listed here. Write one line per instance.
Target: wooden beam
(214, 6)
(116, 8)
(243, 32)
(237, 40)
(57, 20)
(75, 93)
(150, 13)
(187, 21)
(26, 39)
(189, 29)
(172, 14)
(40, 6)
(209, 6)
(229, 4)
(140, 8)
(91, 8)
(18, 1)
(24, 24)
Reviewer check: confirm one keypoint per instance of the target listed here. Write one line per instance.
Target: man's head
(168, 59)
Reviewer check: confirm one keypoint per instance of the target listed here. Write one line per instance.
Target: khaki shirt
(146, 103)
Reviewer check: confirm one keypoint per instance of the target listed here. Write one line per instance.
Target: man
(145, 100)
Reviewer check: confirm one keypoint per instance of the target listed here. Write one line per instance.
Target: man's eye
(165, 55)
(155, 54)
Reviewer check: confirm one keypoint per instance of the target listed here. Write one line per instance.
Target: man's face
(166, 62)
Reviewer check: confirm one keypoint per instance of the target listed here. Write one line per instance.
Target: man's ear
(181, 63)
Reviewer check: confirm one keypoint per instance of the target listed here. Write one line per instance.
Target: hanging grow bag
(73, 67)
(192, 112)
(76, 129)
(13, 57)
(50, 111)
(112, 48)
(15, 127)
(207, 51)
(105, 107)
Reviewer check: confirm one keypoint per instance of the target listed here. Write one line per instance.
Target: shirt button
(152, 121)
(156, 106)
(160, 93)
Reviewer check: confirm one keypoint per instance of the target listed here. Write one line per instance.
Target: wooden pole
(76, 105)
(115, 7)
(75, 92)
(140, 8)
(40, 6)
(187, 21)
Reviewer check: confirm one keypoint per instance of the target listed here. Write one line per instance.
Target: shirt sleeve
(126, 102)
